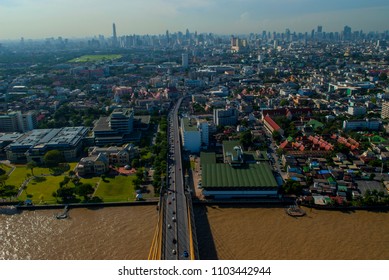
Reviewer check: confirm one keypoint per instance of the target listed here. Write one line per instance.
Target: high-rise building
(29, 120)
(9, 123)
(204, 129)
(237, 44)
(18, 122)
(191, 135)
(114, 36)
(167, 37)
(185, 60)
(347, 33)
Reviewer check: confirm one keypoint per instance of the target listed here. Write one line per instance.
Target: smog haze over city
(73, 18)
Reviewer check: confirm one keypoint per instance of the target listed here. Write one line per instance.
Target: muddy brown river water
(223, 233)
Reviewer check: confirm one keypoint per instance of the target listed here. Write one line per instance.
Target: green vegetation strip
(95, 58)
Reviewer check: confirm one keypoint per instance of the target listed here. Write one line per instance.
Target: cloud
(245, 16)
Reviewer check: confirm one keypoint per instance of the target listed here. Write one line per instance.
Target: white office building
(191, 135)
(18, 122)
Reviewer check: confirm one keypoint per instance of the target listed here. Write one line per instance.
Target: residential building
(356, 110)
(287, 112)
(225, 117)
(385, 110)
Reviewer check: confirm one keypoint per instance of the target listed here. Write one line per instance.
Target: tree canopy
(31, 165)
(53, 158)
(8, 191)
(84, 190)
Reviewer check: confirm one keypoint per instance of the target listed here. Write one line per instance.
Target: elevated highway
(175, 235)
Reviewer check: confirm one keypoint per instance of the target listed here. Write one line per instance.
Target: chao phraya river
(108, 233)
(269, 233)
(223, 233)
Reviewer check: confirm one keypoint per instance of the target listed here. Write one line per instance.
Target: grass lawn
(95, 58)
(72, 165)
(42, 190)
(112, 189)
(18, 176)
(20, 173)
(120, 188)
(93, 181)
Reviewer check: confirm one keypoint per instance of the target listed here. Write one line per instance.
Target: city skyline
(43, 18)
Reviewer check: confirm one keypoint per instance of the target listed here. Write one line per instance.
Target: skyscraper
(114, 37)
(347, 33)
(185, 60)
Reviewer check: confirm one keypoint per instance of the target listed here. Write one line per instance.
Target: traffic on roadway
(176, 240)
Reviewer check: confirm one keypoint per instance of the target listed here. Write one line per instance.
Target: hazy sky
(79, 18)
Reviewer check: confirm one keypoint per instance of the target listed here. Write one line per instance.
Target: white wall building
(191, 135)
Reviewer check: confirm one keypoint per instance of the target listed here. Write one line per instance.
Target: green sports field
(95, 58)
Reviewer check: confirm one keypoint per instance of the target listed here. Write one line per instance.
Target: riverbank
(265, 203)
(85, 205)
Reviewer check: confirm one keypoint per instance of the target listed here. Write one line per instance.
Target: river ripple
(269, 233)
(108, 233)
(223, 233)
